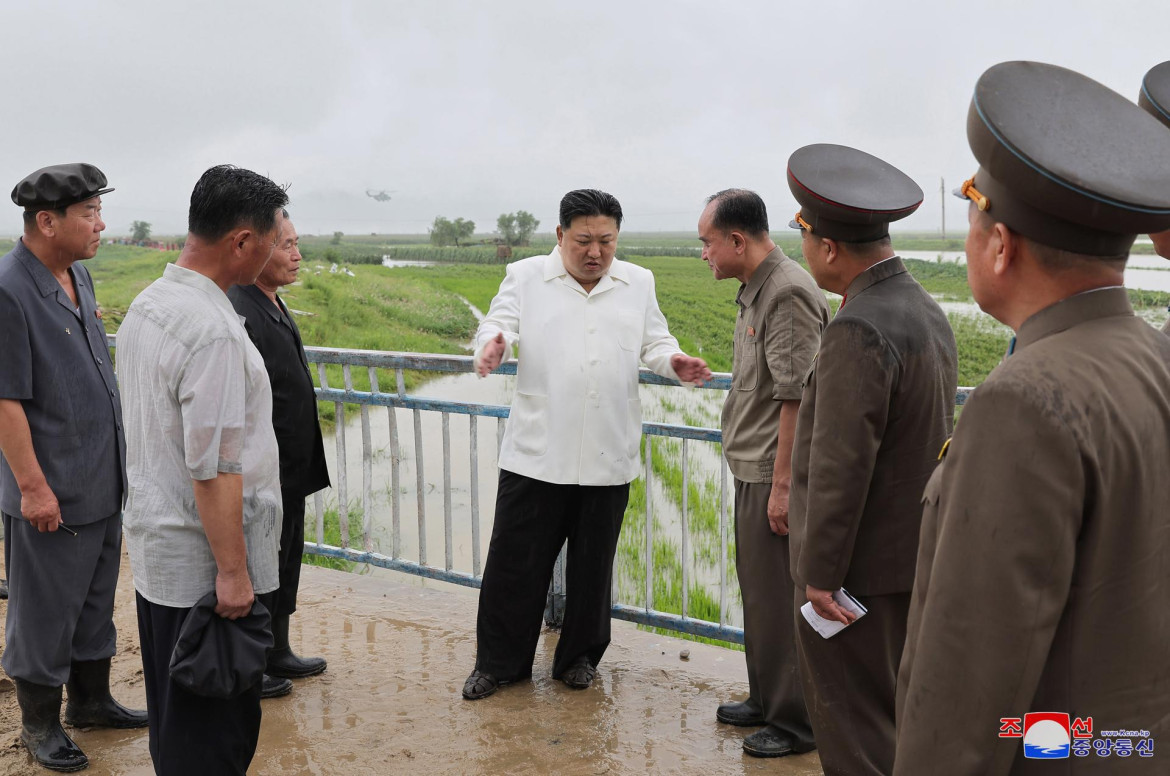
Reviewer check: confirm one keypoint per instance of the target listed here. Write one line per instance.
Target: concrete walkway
(399, 650)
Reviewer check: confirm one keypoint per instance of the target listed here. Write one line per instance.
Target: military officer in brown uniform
(1042, 572)
(1155, 98)
(876, 409)
(777, 332)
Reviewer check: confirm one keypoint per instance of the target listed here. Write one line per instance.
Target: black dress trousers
(533, 520)
(192, 735)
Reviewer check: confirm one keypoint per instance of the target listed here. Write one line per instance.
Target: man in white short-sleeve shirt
(204, 509)
(582, 321)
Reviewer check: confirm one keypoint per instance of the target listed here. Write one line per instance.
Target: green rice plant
(331, 535)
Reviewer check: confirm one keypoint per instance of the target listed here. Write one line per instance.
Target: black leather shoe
(769, 742)
(41, 731)
(3, 588)
(579, 675)
(480, 685)
(281, 659)
(743, 714)
(90, 703)
(273, 687)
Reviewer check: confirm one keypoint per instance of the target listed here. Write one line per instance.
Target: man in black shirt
(298, 436)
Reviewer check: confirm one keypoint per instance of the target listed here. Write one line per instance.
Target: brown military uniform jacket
(876, 410)
(1044, 572)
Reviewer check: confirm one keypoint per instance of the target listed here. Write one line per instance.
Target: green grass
(375, 310)
(331, 535)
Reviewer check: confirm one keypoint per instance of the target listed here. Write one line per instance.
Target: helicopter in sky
(379, 196)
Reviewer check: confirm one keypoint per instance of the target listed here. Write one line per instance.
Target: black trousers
(292, 548)
(191, 735)
(533, 520)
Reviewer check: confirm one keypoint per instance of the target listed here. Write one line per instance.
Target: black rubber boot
(282, 661)
(3, 588)
(41, 731)
(90, 703)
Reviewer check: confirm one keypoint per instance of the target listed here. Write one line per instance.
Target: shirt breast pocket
(629, 332)
(746, 376)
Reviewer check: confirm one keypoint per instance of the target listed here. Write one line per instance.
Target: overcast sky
(471, 109)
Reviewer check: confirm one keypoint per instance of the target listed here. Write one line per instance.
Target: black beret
(56, 187)
(1155, 93)
(1066, 161)
(849, 195)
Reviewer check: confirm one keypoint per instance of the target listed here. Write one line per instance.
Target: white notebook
(830, 628)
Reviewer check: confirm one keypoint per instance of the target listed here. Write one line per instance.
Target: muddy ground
(390, 702)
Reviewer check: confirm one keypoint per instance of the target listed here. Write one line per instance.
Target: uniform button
(87, 330)
(100, 361)
(119, 425)
(111, 392)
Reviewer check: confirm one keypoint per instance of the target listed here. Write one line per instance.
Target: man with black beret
(62, 469)
(1155, 98)
(1042, 584)
(877, 406)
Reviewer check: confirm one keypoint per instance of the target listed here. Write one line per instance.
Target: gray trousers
(762, 564)
(61, 597)
(850, 681)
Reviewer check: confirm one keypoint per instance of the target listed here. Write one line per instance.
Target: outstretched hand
(491, 356)
(690, 369)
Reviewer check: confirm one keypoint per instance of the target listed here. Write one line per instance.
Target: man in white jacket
(583, 322)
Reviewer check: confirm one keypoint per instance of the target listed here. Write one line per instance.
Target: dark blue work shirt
(56, 361)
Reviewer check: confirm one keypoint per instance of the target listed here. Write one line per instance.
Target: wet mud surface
(390, 702)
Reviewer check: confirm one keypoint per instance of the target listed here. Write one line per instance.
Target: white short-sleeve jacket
(575, 416)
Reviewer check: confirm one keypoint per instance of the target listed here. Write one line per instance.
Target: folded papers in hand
(830, 628)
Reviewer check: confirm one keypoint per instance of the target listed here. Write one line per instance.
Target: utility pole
(942, 194)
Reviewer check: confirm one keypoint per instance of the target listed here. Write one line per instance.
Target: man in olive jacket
(876, 411)
(1042, 572)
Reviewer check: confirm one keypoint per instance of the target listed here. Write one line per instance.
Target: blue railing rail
(378, 363)
(399, 364)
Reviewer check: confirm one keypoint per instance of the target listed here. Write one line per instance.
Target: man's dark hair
(227, 197)
(739, 210)
(30, 216)
(868, 246)
(589, 202)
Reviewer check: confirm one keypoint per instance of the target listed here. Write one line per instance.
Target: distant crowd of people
(912, 588)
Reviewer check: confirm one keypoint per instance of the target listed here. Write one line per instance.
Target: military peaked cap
(56, 187)
(849, 195)
(1066, 161)
(1155, 93)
